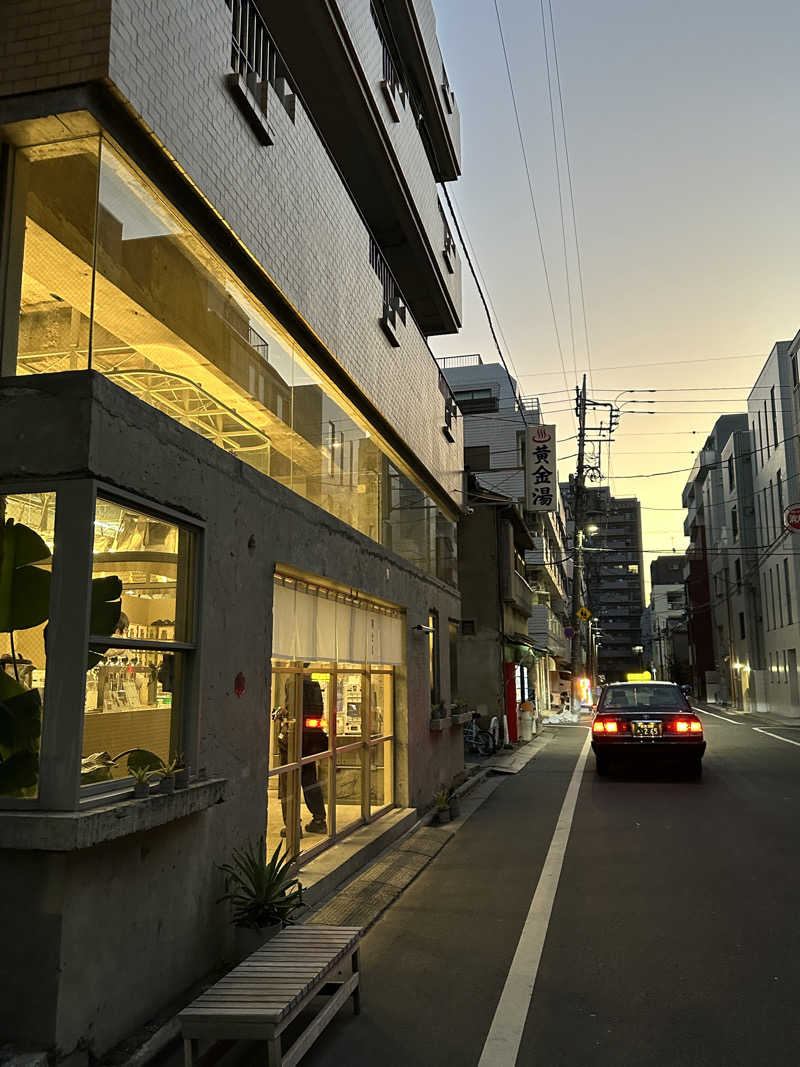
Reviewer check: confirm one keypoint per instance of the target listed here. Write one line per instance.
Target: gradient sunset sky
(683, 127)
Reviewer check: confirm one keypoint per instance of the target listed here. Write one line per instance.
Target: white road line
(733, 721)
(777, 737)
(505, 1034)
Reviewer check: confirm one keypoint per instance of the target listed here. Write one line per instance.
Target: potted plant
(263, 895)
(441, 801)
(168, 773)
(142, 775)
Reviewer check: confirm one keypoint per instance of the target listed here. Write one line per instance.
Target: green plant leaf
(20, 723)
(261, 894)
(19, 774)
(104, 612)
(24, 589)
(139, 759)
(106, 606)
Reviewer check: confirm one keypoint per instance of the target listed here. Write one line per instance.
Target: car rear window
(644, 696)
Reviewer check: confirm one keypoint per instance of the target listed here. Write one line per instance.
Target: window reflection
(169, 322)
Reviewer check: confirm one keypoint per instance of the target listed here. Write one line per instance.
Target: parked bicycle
(476, 739)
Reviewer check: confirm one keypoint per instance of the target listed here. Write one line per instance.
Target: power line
(578, 256)
(664, 363)
(530, 191)
(558, 185)
(480, 293)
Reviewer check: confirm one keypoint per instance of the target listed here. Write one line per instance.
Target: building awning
(518, 649)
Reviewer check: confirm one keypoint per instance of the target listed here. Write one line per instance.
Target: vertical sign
(541, 475)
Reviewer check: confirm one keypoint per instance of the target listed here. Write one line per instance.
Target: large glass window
(113, 278)
(142, 629)
(27, 523)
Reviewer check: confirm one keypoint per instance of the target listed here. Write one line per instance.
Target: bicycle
(477, 740)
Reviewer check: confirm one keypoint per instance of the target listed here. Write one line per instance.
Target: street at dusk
(399, 533)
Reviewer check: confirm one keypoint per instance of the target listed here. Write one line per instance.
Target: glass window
(381, 791)
(115, 279)
(57, 189)
(27, 524)
(143, 611)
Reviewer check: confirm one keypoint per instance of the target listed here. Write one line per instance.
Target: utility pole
(577, 569)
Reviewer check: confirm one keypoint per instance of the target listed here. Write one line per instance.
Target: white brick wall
(45, 43)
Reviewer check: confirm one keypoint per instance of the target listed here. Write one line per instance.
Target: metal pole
(577, 571)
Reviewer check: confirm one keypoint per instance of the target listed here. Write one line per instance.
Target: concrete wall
(128, 924)
(480, 658)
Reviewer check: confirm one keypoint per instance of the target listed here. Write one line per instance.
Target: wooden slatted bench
(258, 999)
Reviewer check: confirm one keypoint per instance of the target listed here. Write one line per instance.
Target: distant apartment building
(664, 635)
(704, 499)
(495, 417)
(234, 468)
(613, 568)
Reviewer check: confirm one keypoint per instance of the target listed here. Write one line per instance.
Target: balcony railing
(253, 51)
(449, 249)
(473, 360)
(520, 594)
(394, 305)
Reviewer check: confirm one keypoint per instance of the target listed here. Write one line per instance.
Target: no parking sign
(791, 518)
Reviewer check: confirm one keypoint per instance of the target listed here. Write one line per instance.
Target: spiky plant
(262, 894)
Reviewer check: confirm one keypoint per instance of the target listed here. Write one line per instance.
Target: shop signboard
(541, 473)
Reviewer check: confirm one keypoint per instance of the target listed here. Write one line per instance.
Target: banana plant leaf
(106, 608)
(20, 731)
(24, 588)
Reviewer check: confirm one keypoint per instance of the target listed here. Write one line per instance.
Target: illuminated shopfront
(333, 709)
(115, 280)
(132, 670)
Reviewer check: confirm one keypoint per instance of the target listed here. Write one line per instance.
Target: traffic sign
(791, 518)
(583, 613)
(569, 632)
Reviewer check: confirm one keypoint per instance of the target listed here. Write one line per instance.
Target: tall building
(495, 418)
(710, 497)
(614, 577)
(665, 644)
(774, 571)
(234, 463)
(703, 498)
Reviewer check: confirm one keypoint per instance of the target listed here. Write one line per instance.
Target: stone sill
(66, 831)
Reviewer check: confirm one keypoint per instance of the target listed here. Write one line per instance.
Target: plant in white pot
(263, 895)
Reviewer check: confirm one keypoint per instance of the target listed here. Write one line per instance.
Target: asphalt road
(673, 939)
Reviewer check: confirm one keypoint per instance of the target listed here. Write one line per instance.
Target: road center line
(733, 722)
(505, 1034)
(760, 730)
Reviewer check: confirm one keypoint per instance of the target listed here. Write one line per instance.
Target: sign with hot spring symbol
(541, 472)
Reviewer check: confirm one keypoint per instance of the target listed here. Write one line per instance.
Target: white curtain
(314, 628)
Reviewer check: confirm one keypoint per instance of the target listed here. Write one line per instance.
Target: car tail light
(610, 725)
(684, 725)
(316, 724)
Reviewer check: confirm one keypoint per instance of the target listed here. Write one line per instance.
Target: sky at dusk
(682, 123)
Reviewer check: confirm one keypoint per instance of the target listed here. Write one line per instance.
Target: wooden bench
(268, 990)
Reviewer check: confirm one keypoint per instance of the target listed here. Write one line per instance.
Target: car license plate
(646, 729)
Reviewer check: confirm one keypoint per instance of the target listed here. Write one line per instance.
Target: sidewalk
(362, 900)
(751, 718)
